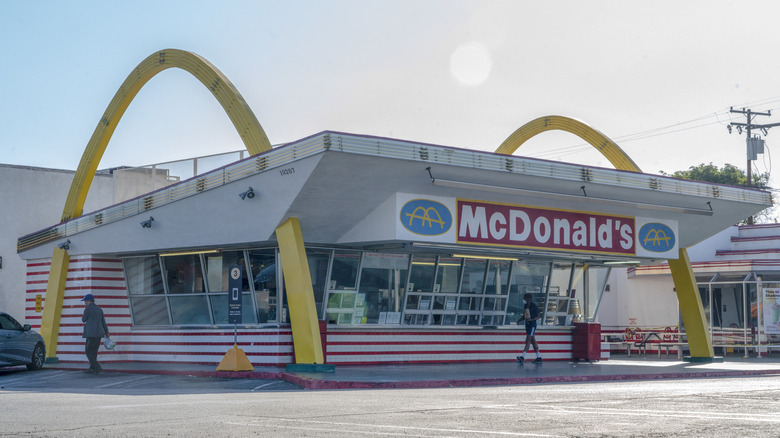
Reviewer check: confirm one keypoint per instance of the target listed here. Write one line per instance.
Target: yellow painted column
(55, 294)
(699, 339)
(300, 294)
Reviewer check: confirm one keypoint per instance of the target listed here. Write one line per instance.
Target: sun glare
(470, 63)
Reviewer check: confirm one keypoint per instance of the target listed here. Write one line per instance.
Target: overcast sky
(657, 77)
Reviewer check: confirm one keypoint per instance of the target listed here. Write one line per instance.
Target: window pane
(381, 280)
(345, 269)
(184, 274)
(473, 276)
(318, 270)
(527, 277)
(219, 306)
(217, 270)
(263, 266)
(150, 310)
(498, 276)
(143, 276)
(190, 310)
(448, 275)
(423, 271)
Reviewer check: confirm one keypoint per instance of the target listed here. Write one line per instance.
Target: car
(20, 344)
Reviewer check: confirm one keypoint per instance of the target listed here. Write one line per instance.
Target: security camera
(64, 245)
(248, 194)
(147, 223)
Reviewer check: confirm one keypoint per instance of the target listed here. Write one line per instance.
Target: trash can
(586, 341)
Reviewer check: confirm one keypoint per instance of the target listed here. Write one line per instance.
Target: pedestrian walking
(95, 329)
(531, 314)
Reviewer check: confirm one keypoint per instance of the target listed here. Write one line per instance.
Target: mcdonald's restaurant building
(356, 249)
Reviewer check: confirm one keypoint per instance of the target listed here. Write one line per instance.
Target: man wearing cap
(94, 329)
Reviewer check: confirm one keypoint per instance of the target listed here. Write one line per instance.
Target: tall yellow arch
(228, 96)
(601, 142)
(691, 309)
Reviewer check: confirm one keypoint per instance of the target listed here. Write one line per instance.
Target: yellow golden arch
(226, 94)
(601, 142)
(254, 139)
(691, 309)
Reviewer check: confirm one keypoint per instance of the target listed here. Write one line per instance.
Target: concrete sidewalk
(467, 374)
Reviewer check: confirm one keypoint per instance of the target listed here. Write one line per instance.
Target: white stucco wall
(32, 199)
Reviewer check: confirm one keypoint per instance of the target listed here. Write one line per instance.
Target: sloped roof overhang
(333, 182)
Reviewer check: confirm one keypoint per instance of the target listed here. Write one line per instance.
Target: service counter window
(343, 274)
(146, 291)
(342, 288)
(527, 277)
(218, 277)
(263, 272)
(419, 297)
(183, 274)
(382, 281)
(473, 276)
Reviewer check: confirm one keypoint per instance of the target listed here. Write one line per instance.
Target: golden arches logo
(601, 142)
(426, 217)
(658, 236)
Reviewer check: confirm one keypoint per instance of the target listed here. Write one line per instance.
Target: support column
(300, 296)
(52, 307)
(699, 339)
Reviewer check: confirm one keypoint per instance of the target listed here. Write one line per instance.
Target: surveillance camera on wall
(248, 194)
(147, 223)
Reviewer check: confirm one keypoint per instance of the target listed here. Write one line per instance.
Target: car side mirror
(26, 328)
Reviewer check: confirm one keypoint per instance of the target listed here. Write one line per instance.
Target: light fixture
(248, 194)
(147, 223)
(472, 256)
(64, 245)
(171, 254)
(623, 262)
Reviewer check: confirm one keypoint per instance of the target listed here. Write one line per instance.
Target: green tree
(729, 174)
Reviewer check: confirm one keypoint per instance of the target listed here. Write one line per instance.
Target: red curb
(311, 383)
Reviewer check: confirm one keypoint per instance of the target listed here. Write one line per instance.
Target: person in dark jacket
(95, 329)
(531, 314)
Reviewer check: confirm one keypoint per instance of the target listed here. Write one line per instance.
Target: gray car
(20, 345)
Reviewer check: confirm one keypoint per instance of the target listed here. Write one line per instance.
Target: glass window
(150, 310)
(473, 276)
(318, 270)
(422, 273)
(596, 280)
(218, 270)
(382, 278)
(219, 306)
(498, 277)
(343, 275)
(143, 276)
(184, 274)
(558, 299)
(527, 277)
(190, 309)
(263, 271)
(448, 275)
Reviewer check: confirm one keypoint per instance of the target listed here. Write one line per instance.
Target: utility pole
(754, 144)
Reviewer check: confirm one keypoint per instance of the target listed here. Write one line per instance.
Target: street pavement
(618, 368)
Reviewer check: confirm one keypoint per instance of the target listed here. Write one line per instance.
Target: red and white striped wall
(441, 345)
(103, 277)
